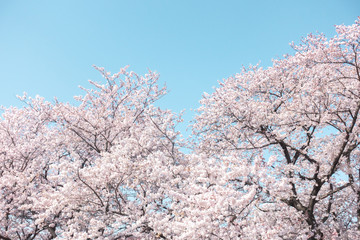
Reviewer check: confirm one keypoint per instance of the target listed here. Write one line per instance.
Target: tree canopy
(274, 155)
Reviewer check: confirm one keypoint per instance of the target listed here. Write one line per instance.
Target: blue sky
(48, 47)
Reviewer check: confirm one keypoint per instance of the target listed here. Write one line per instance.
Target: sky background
(48, 47)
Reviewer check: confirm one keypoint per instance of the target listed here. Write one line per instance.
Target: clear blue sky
(48, 47)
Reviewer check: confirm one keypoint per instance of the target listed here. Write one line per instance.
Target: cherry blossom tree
(28, 150)
(281, 146)
(275, 155)
(99, 170)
